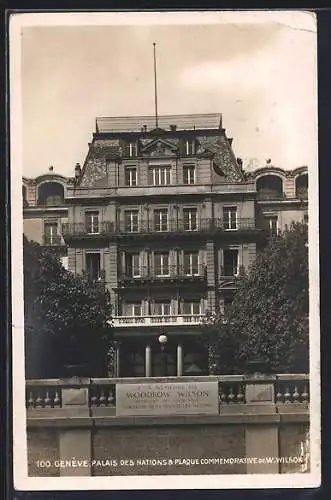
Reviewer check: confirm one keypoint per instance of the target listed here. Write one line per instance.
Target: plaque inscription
(167, 399)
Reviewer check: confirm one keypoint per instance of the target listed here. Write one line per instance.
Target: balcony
(175, 226)
(97, 277)
(174, 274)
(153, 321)
(229, 279)
(80, 229)
(52, 240)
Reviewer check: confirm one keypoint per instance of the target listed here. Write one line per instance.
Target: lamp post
(163, 339)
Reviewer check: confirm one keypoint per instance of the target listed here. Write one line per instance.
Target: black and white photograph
(165, 260)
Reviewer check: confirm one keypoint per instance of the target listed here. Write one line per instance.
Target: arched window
(301, 186)
(269, 187)
(50, 193)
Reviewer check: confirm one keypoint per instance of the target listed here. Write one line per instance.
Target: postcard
(165, 256)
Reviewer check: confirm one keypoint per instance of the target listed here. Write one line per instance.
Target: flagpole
(155, 88)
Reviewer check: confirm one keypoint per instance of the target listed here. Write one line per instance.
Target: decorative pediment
(94, 172)
(159, 147)
(223, 157)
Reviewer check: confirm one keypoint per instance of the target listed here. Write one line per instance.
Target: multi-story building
(282, 196)
(167, 219)
(44, 210)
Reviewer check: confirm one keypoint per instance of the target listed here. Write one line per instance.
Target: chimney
(77, 170)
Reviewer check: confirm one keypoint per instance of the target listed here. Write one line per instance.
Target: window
(272, 224)
(161, 219)
(132, 265)
(132, 149)
(190, 147)
(92, 222)
(230, 217)
(93, 266)
(131, 221)
(161, 309)
(131, 176)
(230, 262)
(191, 308)
(189, 174)
(51, 234)
(190, 219)
(159, 176)
(161, 264)
(132, 309)
(191, 263)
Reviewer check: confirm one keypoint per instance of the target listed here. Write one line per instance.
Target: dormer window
(132, 149)
(190, 147)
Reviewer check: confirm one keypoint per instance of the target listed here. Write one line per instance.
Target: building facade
(44, 210)
(164, 215)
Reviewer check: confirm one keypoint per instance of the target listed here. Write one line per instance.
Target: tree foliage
(268, 319)
(66, 317)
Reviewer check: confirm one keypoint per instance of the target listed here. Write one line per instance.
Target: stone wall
(175, 449)
(43, 445)
(179, 443)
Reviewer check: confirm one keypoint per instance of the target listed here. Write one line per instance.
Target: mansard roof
(273, 170)
(49, 177)
(120, 124)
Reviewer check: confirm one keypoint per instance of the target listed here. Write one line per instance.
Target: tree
(268, 319)
(66, 317)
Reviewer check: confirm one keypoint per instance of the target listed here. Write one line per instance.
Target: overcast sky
(260, 76)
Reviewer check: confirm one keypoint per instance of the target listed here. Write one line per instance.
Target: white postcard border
(296, 19)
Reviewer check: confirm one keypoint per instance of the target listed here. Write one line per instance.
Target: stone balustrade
(105, 421)
(179, 320)
(232, 390)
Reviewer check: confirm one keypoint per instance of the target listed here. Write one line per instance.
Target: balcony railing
(98, 276)
(52, 240)
(180, 320)
(289, 390)
(229, 278)
(173, 226)
(82, 229)
(166, 274)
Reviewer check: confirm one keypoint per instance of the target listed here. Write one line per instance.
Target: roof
(136, 123)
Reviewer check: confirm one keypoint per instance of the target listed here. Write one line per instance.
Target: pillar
(75, 443)
(117, 360)
(261, 439)
(148, 361)
(179, 360)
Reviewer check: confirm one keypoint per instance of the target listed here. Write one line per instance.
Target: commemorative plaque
(167, 399)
